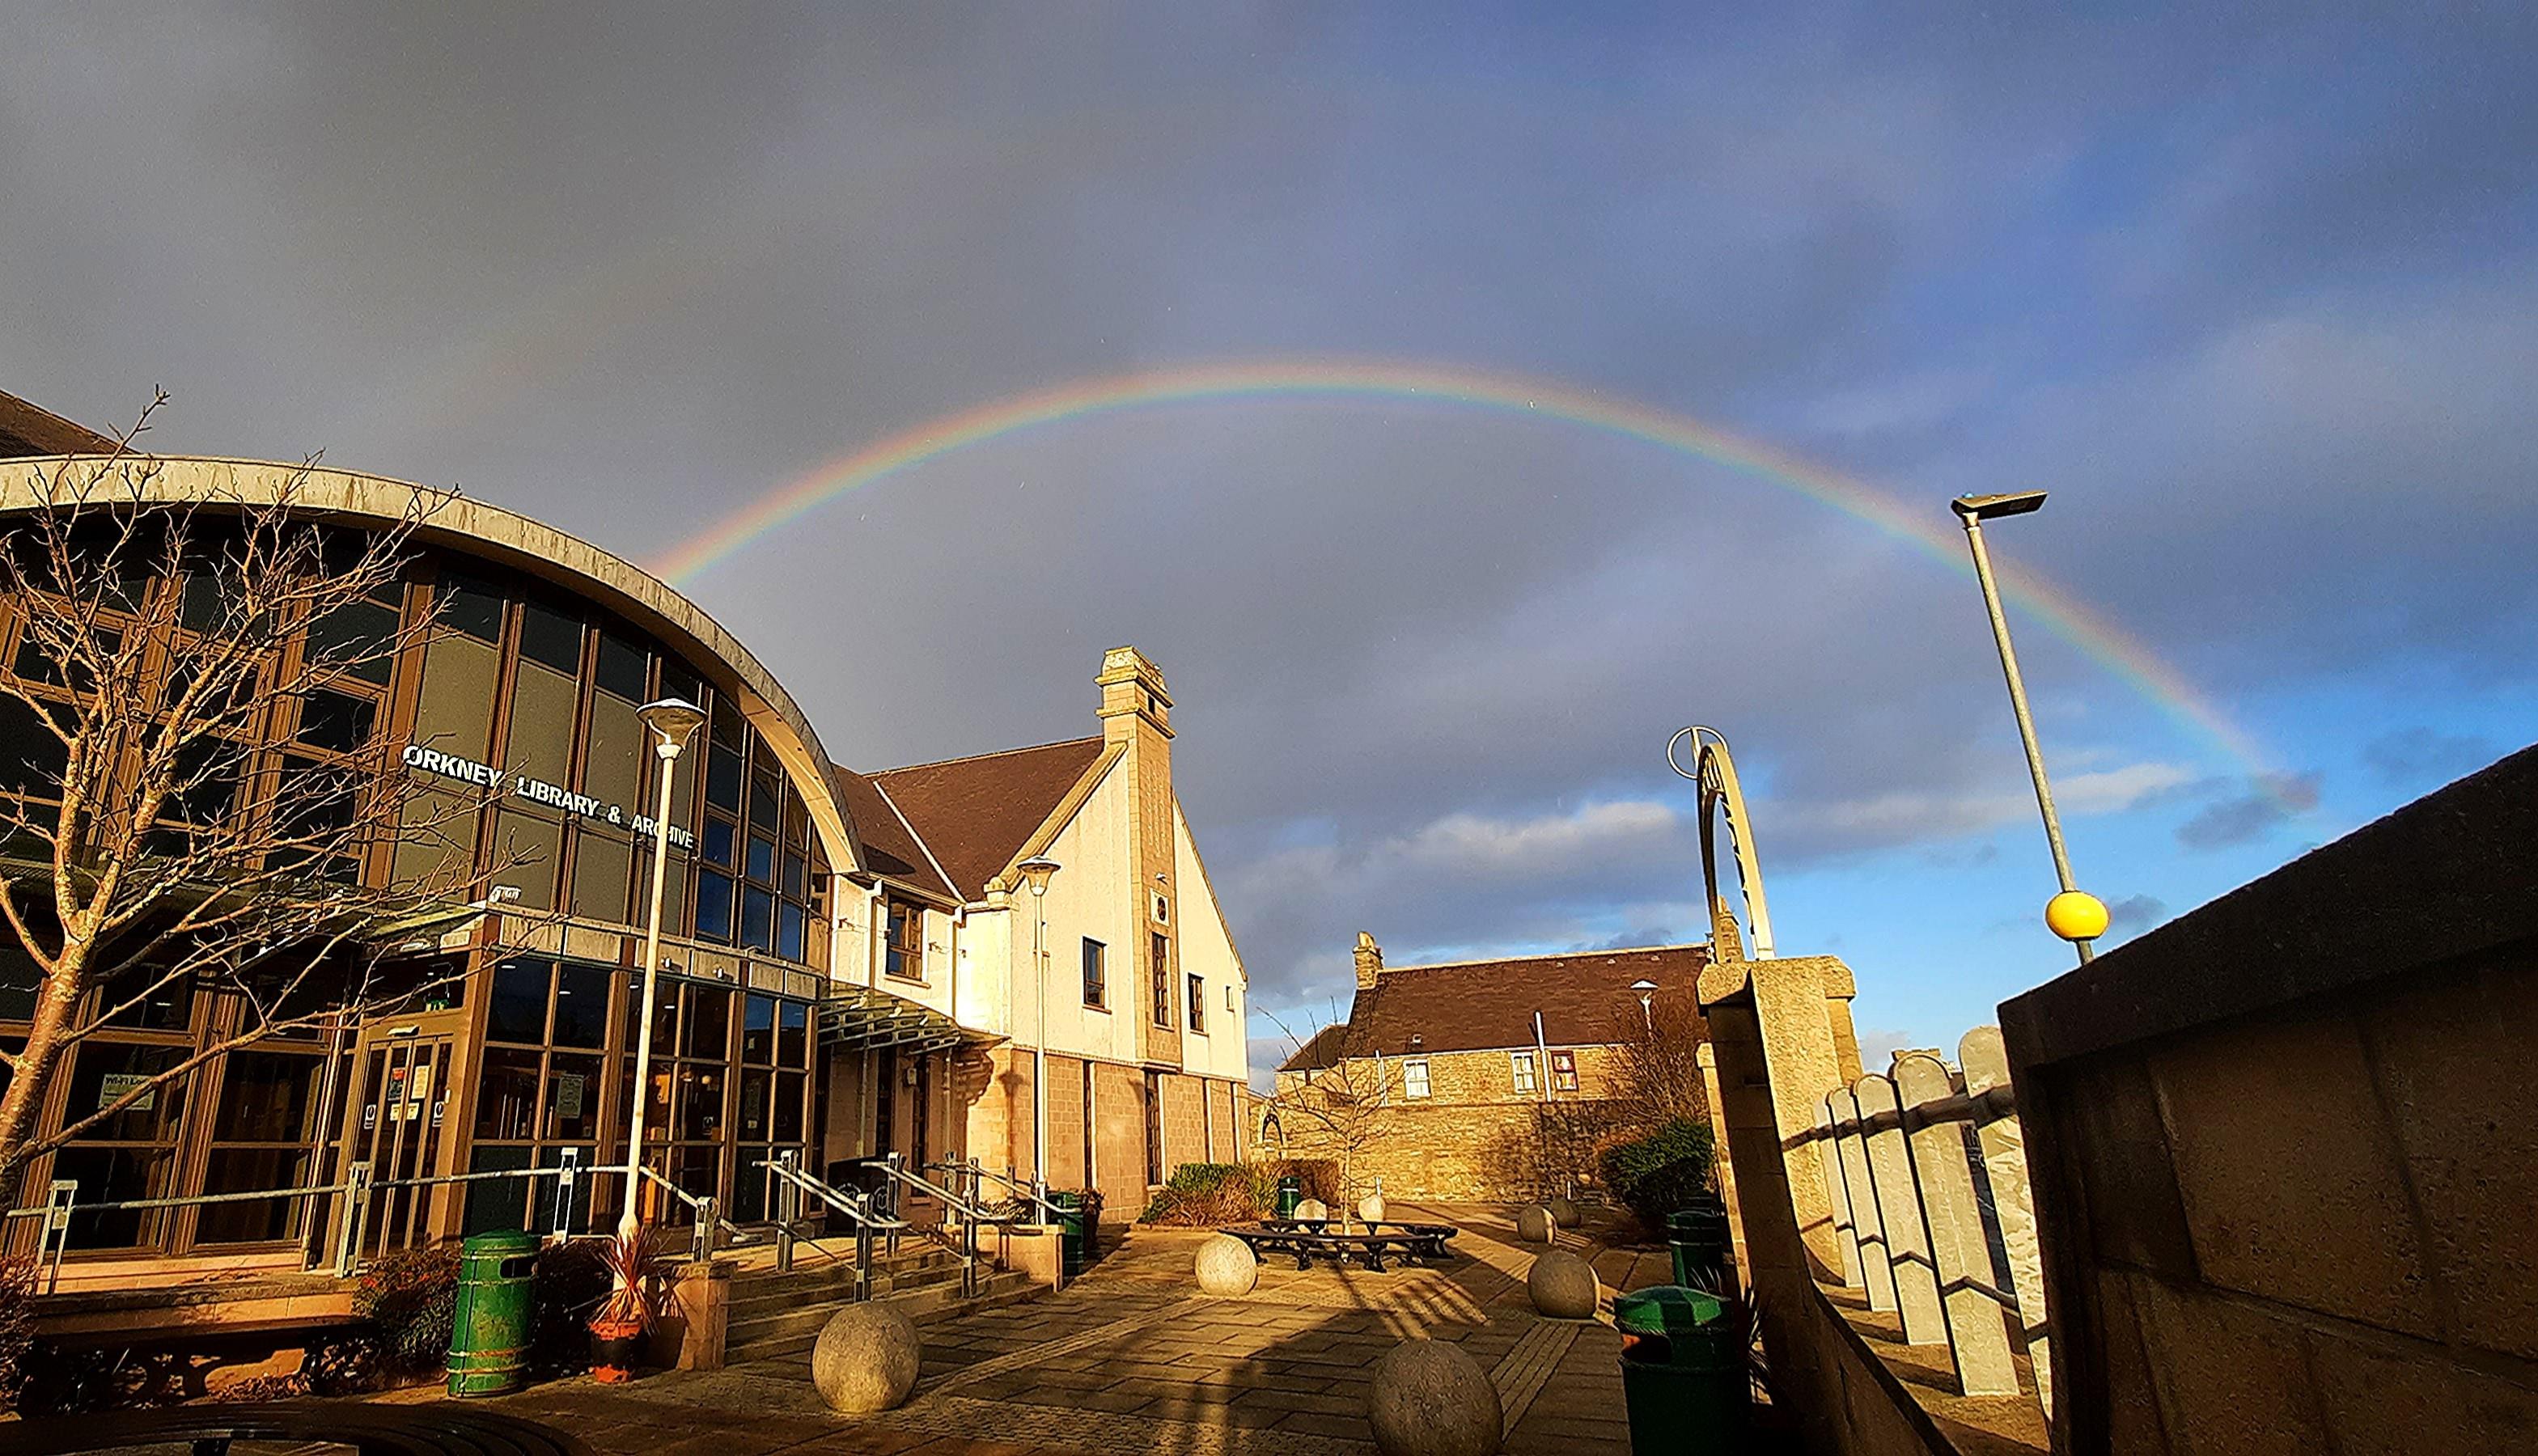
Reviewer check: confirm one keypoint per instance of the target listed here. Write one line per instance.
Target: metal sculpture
(1714, 770)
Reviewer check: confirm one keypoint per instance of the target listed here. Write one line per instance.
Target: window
(1414, 1077)
(903, 945)
(1096, 987)
(1162, 978)
(1563, 1071)
(1520, 1064)
(1198, 1005)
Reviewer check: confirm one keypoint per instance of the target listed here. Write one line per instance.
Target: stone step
(821, 1280)
(942, 1300)
(765, 1302)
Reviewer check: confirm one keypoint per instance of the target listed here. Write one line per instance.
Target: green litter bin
(1070, 1223)
(1291, 1195)
(1700, 1244)
(1683, 1380)
(489, 1337)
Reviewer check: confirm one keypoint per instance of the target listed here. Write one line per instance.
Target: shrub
(569, 1283)
(411, 1298)
(17, 1325)
(1659, 1173)
(1201, 1195)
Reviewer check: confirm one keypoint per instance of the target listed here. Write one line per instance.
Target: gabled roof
(974, 814)
(1585, 1000)
(1323, 1050)
(31, 429)
(890, 847)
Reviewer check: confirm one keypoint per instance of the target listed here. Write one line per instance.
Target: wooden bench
(441, 1429)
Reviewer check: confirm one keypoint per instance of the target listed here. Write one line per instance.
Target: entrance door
(401, 1123)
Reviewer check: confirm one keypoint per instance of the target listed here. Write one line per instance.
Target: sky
(2251, 289)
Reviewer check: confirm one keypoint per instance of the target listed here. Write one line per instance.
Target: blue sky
(2248, 288)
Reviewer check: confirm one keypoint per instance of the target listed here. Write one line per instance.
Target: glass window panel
(796, 882)
(793, 1034)
(253, 1170)
(149, 1005)
(789, 930)
(624, 668)
(755, 1088)
(19, 978)
(678, 682)
(573, 1097)
(437, 850)
(266, 1098)
(105, 1071)
(1197, 1004)
(665, 1014)
(757, 1028)
(543, 705)
(713, 906)
(581, 1005)
(708, 1024)
(789, 1106)
(586, 1187)
(756, 918)
(699, 1172)
(602, 862)
(31, 758)
(506, 1095)
(550, 637)
(612, 770)
(517, 1009)
(720, 836)
(656, 1112)
(337, 721)
(766, 804)
(526, 847)
(727, 728)
(797, 818)
(358, 637)
(496, 1203)
(701, 1092)
(460, 676)
(38, 663)
(114, 1175)
(206, 783)
(722, 778)
(750, 1198)
(761, 859)
(470, 606)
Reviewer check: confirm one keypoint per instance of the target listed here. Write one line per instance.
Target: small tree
(156, 836)
(1335, 1111)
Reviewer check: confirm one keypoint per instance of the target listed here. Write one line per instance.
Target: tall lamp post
(2073, 915)
(1647, 1008)
(671, 721)
(1038, 868)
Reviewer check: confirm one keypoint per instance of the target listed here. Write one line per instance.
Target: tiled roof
(888, 848)
(1323, 1050)
(975, 814)
(31, 429)
(1585, 1000)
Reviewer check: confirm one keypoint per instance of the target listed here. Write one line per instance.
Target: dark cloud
(2270, 800)
(2421, 758)
(2133, 914)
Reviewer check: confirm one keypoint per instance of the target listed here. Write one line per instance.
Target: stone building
(1473, 1079)
(853, 964)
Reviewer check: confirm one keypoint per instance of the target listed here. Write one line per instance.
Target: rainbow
(1925, 526)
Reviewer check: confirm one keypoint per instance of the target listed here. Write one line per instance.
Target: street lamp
(2072, 914)
(1647, 994)
(672, 721)
(1038, 869)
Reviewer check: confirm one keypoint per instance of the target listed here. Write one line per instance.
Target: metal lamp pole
(672, 721)
(1038, 868)
(2073, 915)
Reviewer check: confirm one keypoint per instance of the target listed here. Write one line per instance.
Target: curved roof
(531, 547)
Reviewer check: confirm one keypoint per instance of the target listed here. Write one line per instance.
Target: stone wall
(2284, 1182)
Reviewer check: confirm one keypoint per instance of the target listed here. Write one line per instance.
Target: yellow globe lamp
(2076, 915)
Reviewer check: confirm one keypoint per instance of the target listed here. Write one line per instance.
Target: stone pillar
(1801, 1060)
(1867, 1216)
(691, 1336)
(1840, 1197)
(1708, 1057)
(1898, 1211)
(1978, 1335)
(2004, 1153)
(1840, 988)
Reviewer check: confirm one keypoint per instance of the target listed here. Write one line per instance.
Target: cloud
(2133, 914)
(2421, 758)
(1904, 816)
(2272, 800)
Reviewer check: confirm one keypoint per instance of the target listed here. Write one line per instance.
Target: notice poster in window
(568, 1094)
(112, 1087)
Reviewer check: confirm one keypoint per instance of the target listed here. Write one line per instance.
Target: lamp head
(1644, 987)
(1038, 869)
(1972, 509)
(673, 720)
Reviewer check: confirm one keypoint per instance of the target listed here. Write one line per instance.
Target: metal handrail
(970, 1219)
(858, 1206)
(1012, 1184)
(953, 1200)
(832, 1196)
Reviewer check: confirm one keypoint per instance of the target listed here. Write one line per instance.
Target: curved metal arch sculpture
(1714, 770)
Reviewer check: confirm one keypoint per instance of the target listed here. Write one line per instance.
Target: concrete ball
(1535, 1226)
(1565, 1212)
(865, 1359)
(1370, 1209)
(1430, 1398)
(1227, 1266)
(1312, 1207)
(1563, 1286)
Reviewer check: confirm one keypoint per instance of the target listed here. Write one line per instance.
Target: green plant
(17, 1325)
(411, 1298)
(569, 1282)
(1205, 1193)
(634, 1268)
(1662, 1172)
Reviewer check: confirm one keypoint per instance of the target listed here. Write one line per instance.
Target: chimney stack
(1370, 960)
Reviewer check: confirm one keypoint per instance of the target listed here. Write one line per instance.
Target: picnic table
(1370, 1244)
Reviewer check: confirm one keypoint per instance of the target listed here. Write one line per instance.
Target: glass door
(401, 1127)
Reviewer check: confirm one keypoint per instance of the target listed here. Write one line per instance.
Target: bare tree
(157, 835)
(1335, 1111)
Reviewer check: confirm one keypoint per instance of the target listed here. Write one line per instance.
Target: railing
(1033, 1192)
(971, 1217)
(791, 1183)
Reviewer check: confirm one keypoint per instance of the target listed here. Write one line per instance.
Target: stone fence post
(1934, 1121)
(1867, 1214)
(2004, 1154)
(1898, 1211)
(1844, 1227)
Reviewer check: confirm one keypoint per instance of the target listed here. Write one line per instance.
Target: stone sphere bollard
(1227, 1266)
(1370, 1209)
(1565, 1211)
(1535, 1226)
(1312, 1207)
(1563, 1286)
(1432, 1399)
(865, 1359)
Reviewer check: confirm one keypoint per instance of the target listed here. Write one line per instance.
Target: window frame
(1415, 1083)
(1523, 1074)
(1096, 974)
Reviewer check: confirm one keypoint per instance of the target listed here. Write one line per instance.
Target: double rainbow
(1924, 525)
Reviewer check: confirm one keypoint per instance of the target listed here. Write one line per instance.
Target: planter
(615, 1347)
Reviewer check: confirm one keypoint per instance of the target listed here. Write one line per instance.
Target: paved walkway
(1131, 1358)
